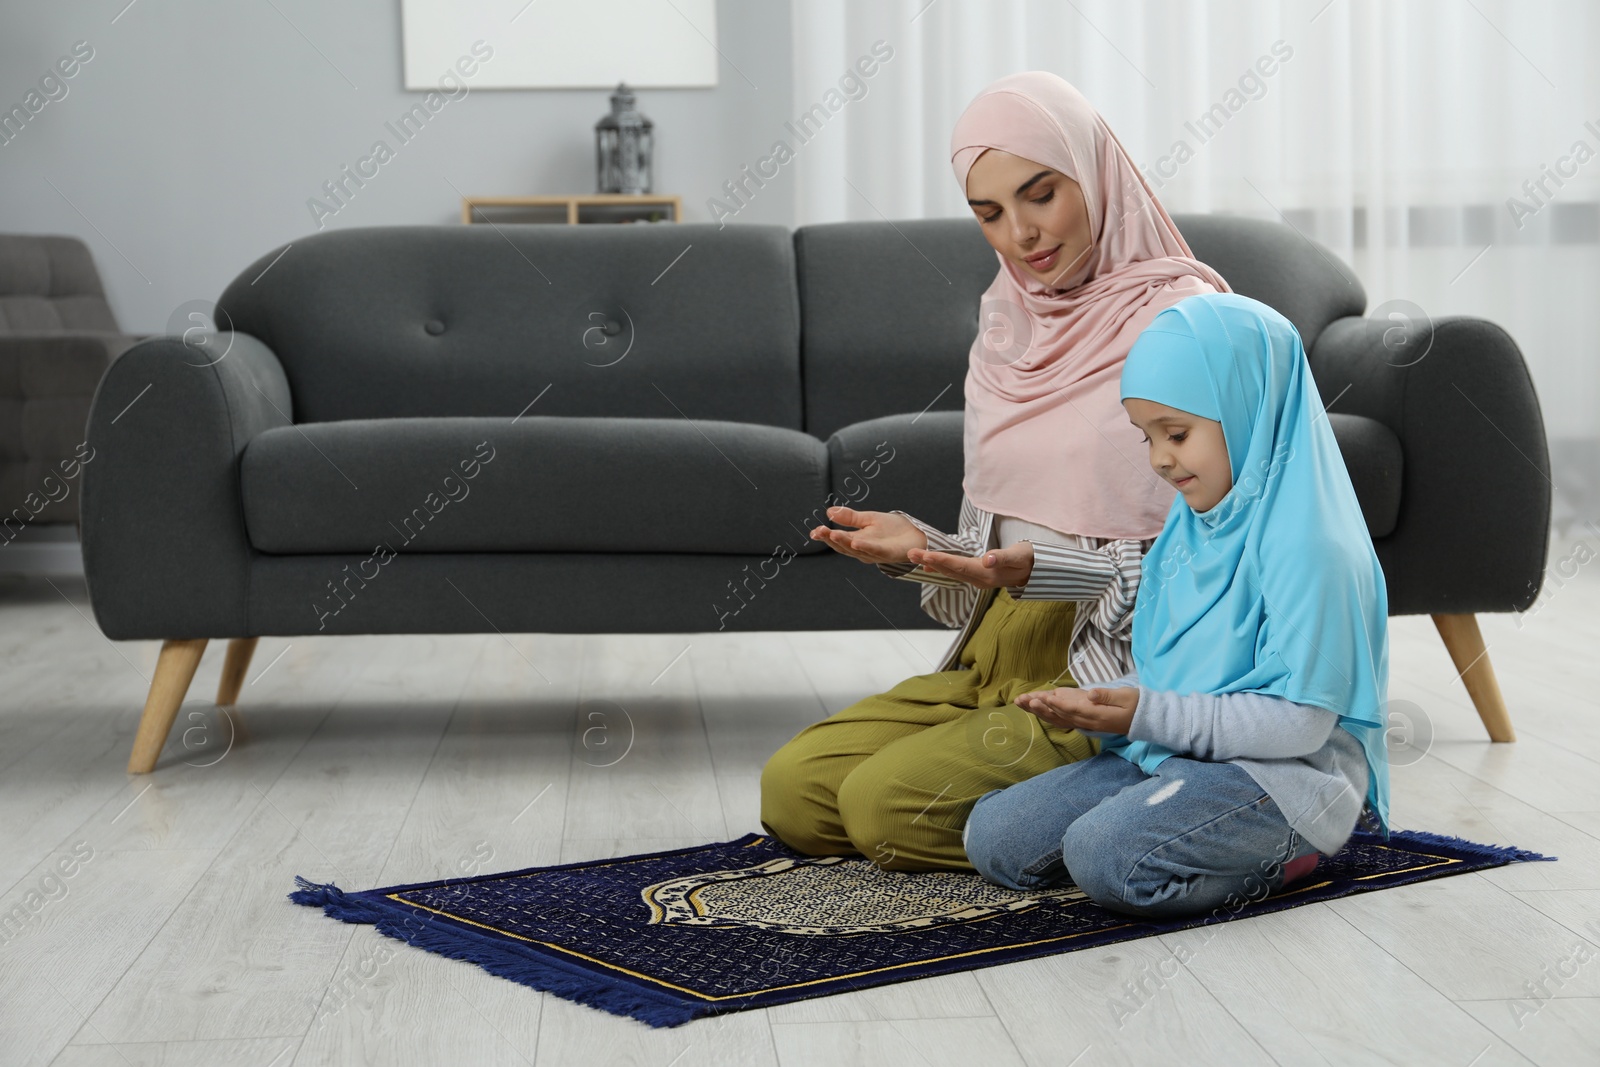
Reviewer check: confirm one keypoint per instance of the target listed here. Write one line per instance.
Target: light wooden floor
(372, 761)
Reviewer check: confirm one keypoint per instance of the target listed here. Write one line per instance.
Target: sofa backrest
(627, 320)
(49, 284)
(1275, 264)
(889, 311)
(831, 325)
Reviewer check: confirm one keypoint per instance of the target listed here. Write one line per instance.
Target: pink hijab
(1045, 436)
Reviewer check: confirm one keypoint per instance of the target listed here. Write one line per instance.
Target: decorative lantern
(622, 146)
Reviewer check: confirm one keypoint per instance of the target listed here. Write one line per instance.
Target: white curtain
(1449, 150)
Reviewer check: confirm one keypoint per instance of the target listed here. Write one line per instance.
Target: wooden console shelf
(573, 210)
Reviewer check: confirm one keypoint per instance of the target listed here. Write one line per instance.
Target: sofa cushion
(1272, 262)
(909, 463)
(665, 321)
(1372, 456)
(888, 314)
(537, 483)
(889, 310)
(913, 463)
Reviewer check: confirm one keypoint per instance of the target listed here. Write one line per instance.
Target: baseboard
(50, 550)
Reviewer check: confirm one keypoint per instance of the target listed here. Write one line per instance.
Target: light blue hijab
(1276, 589)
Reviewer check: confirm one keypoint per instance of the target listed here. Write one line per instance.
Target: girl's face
(1034, 216)
(1186, 449)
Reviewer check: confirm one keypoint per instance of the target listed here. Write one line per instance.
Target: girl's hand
(996, 567)
(879, 537)
(1107, 711)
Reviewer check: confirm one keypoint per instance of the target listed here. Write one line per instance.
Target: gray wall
(191, 141)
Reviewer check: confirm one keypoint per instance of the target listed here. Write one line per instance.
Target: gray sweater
(1313, 769)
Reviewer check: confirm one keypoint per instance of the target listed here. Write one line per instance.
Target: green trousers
(893, 777)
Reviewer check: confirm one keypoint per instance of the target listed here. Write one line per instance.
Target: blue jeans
(1193, 837)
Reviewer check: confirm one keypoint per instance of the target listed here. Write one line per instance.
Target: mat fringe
(544, 974)
(1508, 853)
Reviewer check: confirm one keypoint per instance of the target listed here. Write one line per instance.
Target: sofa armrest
(164, 545)
(1473, 528)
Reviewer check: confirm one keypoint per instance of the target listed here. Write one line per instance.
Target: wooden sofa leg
(174, 671)
(234, 668)
(1464, 641)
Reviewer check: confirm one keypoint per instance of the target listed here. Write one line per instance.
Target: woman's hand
(879, 537)
(996, 567)
(1108, 711)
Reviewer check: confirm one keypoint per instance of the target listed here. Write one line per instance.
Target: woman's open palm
(878, 537)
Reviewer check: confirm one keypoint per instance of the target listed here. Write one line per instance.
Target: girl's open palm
(1104, 710)
(878, 537)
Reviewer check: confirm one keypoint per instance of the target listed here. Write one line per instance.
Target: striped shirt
(1101, 574)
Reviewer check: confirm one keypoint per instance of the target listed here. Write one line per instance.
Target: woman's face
(1033, 215)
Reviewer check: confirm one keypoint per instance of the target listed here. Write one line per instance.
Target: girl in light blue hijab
(1249, 739)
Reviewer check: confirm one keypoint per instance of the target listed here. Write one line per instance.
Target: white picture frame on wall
(562, 44)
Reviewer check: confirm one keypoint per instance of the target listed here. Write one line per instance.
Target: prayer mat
(670, 936)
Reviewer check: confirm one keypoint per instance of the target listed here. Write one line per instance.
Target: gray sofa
(57, 337)
(453, 430)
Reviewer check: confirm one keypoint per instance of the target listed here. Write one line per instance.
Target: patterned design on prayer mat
(670, 936)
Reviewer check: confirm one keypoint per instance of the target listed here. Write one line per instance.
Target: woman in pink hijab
(1059, 501)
